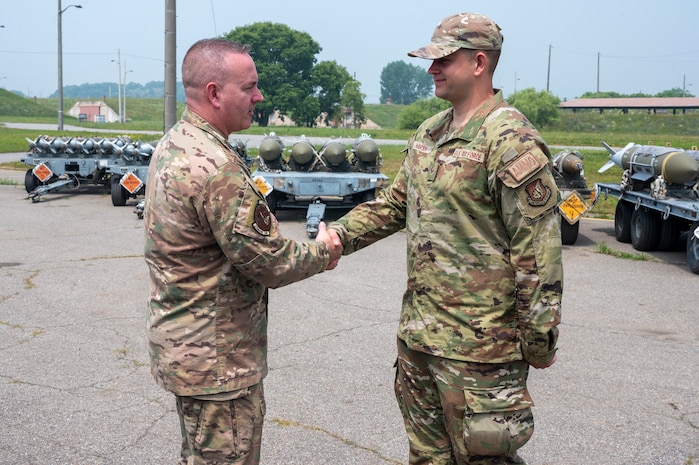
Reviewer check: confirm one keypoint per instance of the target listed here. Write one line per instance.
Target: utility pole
(598, 54)
(118, 62)
(60, 62)
(548, 73)
(170, 106)
(123, 118)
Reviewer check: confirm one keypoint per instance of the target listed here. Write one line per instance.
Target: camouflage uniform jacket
(212, 248)
(483, 240)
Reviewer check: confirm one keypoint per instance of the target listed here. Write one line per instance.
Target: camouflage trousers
(222, 432)
(461, 412)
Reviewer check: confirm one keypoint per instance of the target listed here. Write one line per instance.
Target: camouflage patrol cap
(462, 30)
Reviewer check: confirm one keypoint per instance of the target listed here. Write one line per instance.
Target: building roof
(649, 103)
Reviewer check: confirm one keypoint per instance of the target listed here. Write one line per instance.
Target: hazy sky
(617, 45)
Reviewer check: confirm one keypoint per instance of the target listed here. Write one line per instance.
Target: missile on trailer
(646, 162)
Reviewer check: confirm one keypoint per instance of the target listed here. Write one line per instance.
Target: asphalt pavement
(75, 383)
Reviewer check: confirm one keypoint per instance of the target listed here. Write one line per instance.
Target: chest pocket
(456, 166)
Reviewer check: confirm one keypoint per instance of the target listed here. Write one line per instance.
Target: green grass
(606, 250)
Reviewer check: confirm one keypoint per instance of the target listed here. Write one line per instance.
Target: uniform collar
(438, 131)
(196, 120)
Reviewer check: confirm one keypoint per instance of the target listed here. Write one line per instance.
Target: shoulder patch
(520, 169)
(523, 167)
(262, 219)
(538, 193)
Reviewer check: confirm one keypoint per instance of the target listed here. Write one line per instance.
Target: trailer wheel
(645, 229)
(622, 221)
(119, 193)
(693, 249)
(272, 202)
(669, 235)
(31, 182)
(569, 232)
(364, 196)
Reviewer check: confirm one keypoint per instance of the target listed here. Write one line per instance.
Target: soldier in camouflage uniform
(213, 248)
(477, 199)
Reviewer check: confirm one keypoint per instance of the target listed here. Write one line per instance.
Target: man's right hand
(332, 241)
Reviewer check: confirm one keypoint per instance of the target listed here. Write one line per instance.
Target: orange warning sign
(42, 171)
(131, 183)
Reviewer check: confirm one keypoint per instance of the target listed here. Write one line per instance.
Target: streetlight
(118, 62)
(684, 85)
(129, 71)
(60, 63)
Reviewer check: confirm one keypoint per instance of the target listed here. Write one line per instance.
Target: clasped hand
(332, 240)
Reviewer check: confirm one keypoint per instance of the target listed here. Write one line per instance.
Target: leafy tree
(541, 108)
(414, 114)
(329, 80)
(353, 99)
(306, 111)
(404, 83)
(285, 59)
(601, 95)
(674, 92)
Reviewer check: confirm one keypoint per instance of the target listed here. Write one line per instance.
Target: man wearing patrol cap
(477, 199)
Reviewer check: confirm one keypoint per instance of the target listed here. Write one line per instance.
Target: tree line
(296, 86)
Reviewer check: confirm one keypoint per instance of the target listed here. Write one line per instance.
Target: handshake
(332, 241)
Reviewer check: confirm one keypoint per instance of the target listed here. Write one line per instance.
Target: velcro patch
(470, 155)
(523, 167)
(538, 194)
(421, 147)
(262, 219)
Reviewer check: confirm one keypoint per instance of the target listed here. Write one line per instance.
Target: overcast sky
(615, 45)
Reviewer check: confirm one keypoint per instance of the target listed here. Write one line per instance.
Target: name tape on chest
(472, 155)
(421, 147)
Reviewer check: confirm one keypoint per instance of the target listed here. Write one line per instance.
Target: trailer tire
(272, 202)
(693, 249)
(669, 235)
(31, 182)
(569, 232)
(119, 193)
(622, 221)
(365, 196)
(645, 229)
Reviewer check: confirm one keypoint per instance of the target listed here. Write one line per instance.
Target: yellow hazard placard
(573, 207)
(131, 183)
(42, 171)
(262, 185)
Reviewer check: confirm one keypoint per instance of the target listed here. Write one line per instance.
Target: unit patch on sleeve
(538, 194)
(262, 219)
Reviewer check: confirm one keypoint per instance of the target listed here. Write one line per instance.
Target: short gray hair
(202, 62)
